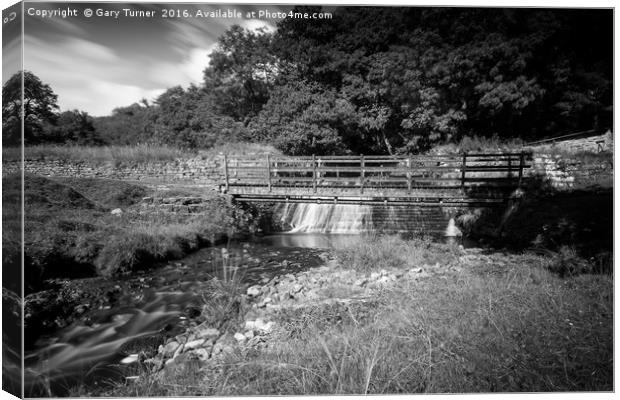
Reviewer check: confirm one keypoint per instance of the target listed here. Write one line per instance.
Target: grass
(70, 232)
(474, 144)
(99, 155)
(127, 155)
(389, 252)
(500, 323)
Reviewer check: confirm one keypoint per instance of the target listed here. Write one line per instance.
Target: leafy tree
(241, 72)
(75, 127)
(39, 108)
(305, 118)
(126, 125)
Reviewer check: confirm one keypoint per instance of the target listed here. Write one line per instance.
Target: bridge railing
(367, 173)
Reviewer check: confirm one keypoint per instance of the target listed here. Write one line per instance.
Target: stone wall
(594, 144)
(561, 173)
(557, 170)
(197, 171)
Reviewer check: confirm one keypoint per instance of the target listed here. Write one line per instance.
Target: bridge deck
(462, 179)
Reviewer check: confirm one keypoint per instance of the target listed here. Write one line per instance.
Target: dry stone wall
(197, 171)
(561, 173)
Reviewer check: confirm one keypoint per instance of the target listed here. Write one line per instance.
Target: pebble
(169, 349)
(194, 344)
(254, 291)
(209, 333)
(240, 337)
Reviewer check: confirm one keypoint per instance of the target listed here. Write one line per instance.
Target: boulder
(169, 349)
(240, 337)
(207, 333)
(254, 291)
(116, 211)
(194, 344)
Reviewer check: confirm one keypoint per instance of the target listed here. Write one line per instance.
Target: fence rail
(366, 174)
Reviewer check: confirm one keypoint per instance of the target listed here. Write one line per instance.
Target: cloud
(186, 71)
(91, 77)
(256, 24)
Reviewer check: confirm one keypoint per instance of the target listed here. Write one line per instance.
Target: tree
(241, 72)
(75, 127)
(305, 118)
(39, 108)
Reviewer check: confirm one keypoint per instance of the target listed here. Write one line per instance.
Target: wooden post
(269, 172)
(226, 172)
(409, 173)
(521, 157)
(362, 173)
(313, 173)
(463, 169)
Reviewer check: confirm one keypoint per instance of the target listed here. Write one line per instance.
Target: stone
(239, 337)
(263, 326)
(361, 282)
(254, 291)
(375, 275)
(297, 288)
(208, 333)
(194, 344)
(116, 211)
(249, 334)
(200, 354)
(169, 349)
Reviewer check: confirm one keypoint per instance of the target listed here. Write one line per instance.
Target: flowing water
(151, 305)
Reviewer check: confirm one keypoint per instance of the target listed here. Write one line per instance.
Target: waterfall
(452, 230)
(327, 218)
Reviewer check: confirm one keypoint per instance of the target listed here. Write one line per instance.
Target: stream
(136, 313)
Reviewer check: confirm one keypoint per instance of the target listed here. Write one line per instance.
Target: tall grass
(473, 144)
(99, 155)
(374, 253)
(510, 326)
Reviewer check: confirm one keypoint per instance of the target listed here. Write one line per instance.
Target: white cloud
(256, 24)
(93, 78)
(185, 72)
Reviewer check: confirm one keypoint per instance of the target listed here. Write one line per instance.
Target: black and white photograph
(245, 199)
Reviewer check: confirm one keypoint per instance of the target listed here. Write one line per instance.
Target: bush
(567, 262)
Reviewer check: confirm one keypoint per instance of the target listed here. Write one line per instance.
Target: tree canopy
(379, 80)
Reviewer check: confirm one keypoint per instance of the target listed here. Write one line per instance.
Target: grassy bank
(471, 322)
(70, 231)
(126, 155)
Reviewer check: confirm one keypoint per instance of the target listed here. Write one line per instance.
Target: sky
(99, 63)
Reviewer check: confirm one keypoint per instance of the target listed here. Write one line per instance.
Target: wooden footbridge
(477, 179)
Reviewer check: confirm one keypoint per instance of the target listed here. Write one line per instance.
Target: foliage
(39, 109)
(74, 127)
(376, 80)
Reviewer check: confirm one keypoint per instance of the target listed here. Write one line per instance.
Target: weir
(351, 218)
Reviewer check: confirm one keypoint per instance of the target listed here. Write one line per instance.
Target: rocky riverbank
(263, 305)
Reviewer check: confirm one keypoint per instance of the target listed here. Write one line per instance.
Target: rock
(240, 337)
(169, 349)
(254, 291)
(116, 211)
(297, 288)
(249, 334)
(361, 282)
(416, 270)
(132, 358)
(375, 276)
(200, 354)
(207, 333)
(194, 344)
(263, 326)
